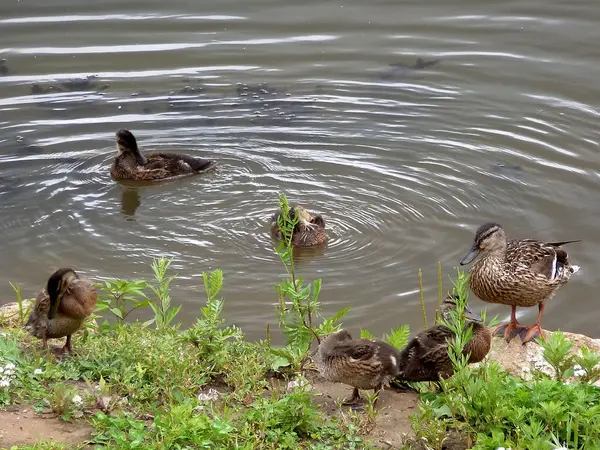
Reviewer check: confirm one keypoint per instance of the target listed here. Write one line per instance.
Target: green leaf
(366, 334)
(279, 362)
(117, 312)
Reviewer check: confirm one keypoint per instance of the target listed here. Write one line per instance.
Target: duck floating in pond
(308, 232)
(131, 164)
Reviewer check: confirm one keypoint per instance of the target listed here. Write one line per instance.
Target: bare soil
(23, 427)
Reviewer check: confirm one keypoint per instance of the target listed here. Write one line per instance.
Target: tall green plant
(299, 304)
(164, 313)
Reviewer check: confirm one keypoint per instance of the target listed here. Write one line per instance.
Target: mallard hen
(523, 272)
(425, 357)
(62, 307)
(131, 164)
(308, 232)
(361, 363)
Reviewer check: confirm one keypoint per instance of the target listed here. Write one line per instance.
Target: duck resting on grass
(62, 307)
(425, 357)
(308, 232)
(131, 164)
(523, 272)
(360, 363)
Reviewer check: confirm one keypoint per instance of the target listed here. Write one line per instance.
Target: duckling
(308, 232)
(425, 357)
(131, 164)
(361, 363)
(62, 307)
(523, 272)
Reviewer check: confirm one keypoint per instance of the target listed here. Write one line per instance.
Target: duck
(425, 357)
(131, 164)
(360, 363)
(523, 272)
(62, 307)
(308, 232)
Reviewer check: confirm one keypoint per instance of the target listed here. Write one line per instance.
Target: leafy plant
(589, 362)
(122, 297)
(208, 333)
(557, 350)
(298, 302)
(164, 313)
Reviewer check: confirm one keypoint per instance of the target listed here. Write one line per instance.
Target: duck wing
(175, 163)
(542, 258)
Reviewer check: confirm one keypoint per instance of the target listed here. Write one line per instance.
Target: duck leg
(68, 346)
(353, 398)
(44, 339)
(535, 330)
(377, 391)
(512, 328)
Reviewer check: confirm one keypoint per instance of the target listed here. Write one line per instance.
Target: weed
(164, 313)
(298, 305)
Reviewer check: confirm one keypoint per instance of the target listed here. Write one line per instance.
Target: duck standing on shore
(360, 363)
(425, 357)
(308, 232)
(62, 307)
(131, 164)
(523, 272)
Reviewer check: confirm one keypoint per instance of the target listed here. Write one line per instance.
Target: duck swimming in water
(62, 307)
(131, 164)
(523, 272)
(308, 232)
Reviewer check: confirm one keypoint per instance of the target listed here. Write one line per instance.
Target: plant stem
(422, 297)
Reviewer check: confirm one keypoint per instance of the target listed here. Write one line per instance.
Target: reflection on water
(130, 201)
(406, 131)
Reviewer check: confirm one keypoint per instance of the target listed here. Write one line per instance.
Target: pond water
(406, 125)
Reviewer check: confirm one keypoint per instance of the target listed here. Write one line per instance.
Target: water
(404, 162)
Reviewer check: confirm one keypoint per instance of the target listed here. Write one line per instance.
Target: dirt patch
(392, 422)
(23, 427)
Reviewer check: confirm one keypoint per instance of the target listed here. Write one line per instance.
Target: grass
(152, 385)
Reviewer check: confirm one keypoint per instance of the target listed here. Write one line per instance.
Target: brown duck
(308, 232)
(131, 164)
(523, 272)
(425, 357)
(62, 307)
(361, 363)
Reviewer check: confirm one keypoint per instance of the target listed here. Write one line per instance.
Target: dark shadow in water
(399, 70)
(130, 201)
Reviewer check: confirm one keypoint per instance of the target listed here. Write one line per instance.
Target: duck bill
(469, 257)
(471, 315)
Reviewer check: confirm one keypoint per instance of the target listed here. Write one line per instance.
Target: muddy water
(326, 100)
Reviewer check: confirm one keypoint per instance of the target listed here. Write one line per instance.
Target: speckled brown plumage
(308, 232)
(131, 164)
(361, 363)
(62, 307)
(523, 272)
(425, 357)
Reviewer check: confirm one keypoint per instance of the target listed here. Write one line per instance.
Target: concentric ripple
(404, 131)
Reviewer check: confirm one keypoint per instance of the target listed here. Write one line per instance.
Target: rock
(9, 313)
(520, 360)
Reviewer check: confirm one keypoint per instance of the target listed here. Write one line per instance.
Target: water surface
(324, 100)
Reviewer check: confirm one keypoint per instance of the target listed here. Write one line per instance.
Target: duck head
(449, 304)
(57, 287)
(127, 146)
(489, 237)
